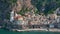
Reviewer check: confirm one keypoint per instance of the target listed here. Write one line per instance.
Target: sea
(2, 31)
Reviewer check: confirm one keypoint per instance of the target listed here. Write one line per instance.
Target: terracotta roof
(18, 17)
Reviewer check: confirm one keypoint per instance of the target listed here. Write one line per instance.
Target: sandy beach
(32, 30)
(52, 30)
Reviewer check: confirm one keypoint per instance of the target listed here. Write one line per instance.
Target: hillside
(23, 6)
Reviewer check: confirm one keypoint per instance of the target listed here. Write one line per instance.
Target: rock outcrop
(23, 4)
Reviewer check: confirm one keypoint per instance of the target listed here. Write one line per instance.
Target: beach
(37, 29)
(2, 31)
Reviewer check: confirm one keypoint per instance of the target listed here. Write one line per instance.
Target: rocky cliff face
(23, 4)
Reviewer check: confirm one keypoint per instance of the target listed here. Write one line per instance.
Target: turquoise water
(36, 32)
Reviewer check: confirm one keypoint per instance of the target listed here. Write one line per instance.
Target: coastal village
(34, 21)
(30, 20)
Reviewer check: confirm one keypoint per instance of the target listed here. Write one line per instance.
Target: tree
(49, 5)
(5, 8)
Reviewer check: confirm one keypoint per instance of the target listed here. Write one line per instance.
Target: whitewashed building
(12, 16)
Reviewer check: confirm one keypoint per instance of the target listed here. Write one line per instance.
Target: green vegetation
(23, 11)
(12, 1)
(48, 5)
(8, 15)
(5, 8)
(58, 14)
(9, 1)
(36, 11)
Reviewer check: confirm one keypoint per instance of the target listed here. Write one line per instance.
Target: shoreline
(32, 30)
(51, 30)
